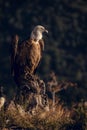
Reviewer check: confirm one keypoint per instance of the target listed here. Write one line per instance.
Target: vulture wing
(41, 42)
(28, 56)
(14, 49)
(41, 46)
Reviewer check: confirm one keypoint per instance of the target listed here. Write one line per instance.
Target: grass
(60, 119)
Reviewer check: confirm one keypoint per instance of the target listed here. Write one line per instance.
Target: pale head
(37, 33)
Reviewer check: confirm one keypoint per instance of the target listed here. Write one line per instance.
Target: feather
(26, 56)
(14, 49)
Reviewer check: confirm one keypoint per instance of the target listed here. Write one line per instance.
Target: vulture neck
(36, 36)
(34, 41)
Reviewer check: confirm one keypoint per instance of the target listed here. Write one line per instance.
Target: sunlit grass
(59, 119)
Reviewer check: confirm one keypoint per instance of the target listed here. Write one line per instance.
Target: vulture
(26, 56)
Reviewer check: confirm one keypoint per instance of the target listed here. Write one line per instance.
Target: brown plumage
(26, 56)
(14, 47)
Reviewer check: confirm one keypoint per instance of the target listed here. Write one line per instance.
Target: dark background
(65, 45)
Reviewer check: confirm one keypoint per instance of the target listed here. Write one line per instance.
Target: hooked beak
(46, 31)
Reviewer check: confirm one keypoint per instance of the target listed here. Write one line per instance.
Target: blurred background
(65, 45)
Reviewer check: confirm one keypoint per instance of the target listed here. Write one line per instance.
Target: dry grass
(59, 119)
